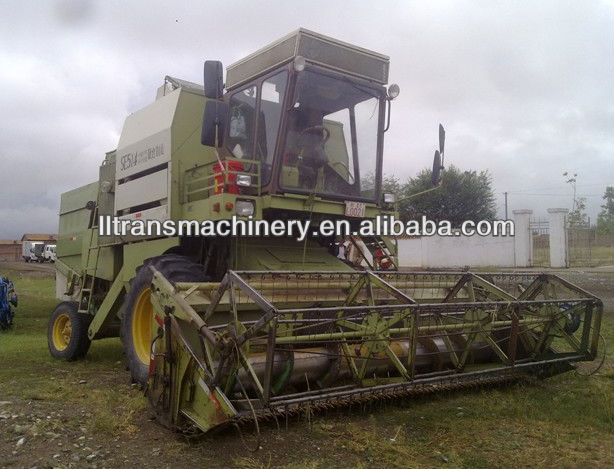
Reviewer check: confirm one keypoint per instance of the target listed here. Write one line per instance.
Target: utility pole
(505, 193)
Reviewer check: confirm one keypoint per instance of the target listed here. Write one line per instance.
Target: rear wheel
(136, 330)
(67, 332)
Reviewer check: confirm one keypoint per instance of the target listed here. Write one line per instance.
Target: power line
(602, 184)
(552, 195)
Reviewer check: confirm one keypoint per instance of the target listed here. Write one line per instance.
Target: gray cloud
(524, 88)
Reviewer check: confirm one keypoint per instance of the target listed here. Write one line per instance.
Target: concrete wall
(442, 252)
(487, 251)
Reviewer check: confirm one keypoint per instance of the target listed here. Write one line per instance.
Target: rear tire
(67, 332)
(137, 319)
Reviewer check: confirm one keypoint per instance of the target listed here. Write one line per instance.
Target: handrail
(228, 174)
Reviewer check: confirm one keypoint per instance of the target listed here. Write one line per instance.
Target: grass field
(85, 414)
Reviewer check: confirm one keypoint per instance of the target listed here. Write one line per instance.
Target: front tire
(67, 332)
(136, 328)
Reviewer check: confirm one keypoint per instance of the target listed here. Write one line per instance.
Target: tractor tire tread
(79, 343)
(176, 268)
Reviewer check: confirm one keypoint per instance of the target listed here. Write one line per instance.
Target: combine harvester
(223, 330)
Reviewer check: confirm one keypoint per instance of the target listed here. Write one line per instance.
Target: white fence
(462, 251)
(485, 251)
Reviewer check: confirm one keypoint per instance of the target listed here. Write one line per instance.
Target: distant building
(46, 238)
(10, 250)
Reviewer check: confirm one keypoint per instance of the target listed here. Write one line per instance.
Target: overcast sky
(524, 89)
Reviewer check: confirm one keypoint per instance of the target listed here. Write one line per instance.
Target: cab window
(271, 102)
(332, 136)
(242, 123)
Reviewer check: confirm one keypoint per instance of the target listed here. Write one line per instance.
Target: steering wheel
(324, 132)
(350, 178)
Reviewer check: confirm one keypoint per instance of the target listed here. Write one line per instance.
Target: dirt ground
(86, 414)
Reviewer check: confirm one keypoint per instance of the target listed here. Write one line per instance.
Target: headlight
(245, 208)
(393, 91)
(389, 198)
(244, 180)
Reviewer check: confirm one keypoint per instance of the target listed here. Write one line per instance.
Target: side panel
(134, 255)
(143, 157)
(145, 139)
(153, 187)
(74, 221)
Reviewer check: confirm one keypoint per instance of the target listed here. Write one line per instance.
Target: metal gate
(540, 235)
(587, 248)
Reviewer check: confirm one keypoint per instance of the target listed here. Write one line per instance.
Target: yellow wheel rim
(62, 330)
(141, 325)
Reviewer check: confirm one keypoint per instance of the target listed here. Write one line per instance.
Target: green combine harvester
(223, 330)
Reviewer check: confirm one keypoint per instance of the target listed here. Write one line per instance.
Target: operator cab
(313, 124)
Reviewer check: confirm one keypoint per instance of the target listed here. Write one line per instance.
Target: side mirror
(442, 140)
(438, 158)
(215, 114)
(214, 123)
(214, 79)
(436, 169)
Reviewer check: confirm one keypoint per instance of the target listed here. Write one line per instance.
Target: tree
(391, 185)
(463, 195)
(578, 217)
(605, 219)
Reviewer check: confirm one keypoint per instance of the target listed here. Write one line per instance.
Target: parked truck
(225, 330)
(49, 253)
(32, 251)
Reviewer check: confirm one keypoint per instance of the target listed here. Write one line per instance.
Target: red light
(216, 207)
(229, 206)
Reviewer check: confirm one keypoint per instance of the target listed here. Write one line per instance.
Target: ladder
(89, 276)
(375, 244)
